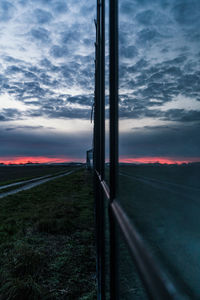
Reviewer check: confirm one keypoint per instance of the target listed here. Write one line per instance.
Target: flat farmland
(10, 174)
(163, 202)
(47, 241)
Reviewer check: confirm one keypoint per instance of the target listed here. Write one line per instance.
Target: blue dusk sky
(159, 79)
(47, 79)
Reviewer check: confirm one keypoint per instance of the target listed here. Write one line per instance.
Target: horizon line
(137, 160)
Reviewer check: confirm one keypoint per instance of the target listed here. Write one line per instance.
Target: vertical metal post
(99, 150)
(102, 88)
(113, 36)
(102, 142)
(113, 97)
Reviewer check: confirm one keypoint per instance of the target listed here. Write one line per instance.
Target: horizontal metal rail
(157, 283)
(104, 186)
(106, 189)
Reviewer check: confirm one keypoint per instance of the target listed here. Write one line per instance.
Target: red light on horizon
(138, 160)
(37, 159)
(160, 160)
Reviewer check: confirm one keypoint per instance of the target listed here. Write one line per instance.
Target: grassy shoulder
(12, 174)
(47, 241)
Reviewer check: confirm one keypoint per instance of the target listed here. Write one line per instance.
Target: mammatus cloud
(156, 60)
(7, 10)
(159, 78)
(57, 52)
(47, 73)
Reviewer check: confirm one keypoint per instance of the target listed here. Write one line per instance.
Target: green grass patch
(12, 174)
(47, 241)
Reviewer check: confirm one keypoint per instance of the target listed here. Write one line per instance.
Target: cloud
(9, 58)
(127, 7)
(60, 49)
(40, 34)
(63, 108)
(146, 17)
(128, 52)
(148, 36)
(81, 99)
(57, 51)
(42, 16)
(60, 7)
(44, 2)
(13, 69)
(71, 36)
(16, 128)
(155, 84)
(163, 64)
(7, 10)
(182, 115)
(174, 141)
(187, 13)
(9, 114)
(2, 118)
(34, 142)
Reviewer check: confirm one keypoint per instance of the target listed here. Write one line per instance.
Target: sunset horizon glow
(37, 159)
(139, 160)
(160, 160)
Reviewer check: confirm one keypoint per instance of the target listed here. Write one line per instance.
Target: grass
(11, 174)
(12, 188)
(47, 241)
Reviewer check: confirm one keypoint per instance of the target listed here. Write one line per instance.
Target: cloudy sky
(47, 79)
(159, 79)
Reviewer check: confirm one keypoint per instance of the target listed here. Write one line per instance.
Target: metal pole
(102, 142)
(113, 37)
(97, 148)
(102, 88)
(100, 145)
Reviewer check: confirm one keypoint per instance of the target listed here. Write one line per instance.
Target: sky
(47, 80)
(159, 80)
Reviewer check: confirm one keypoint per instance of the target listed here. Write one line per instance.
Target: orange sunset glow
(38, 159)
(161, 160)
(138, 160)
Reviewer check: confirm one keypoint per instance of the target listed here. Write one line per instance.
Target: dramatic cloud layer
(39, 141)
(159, 78)
(46, 75)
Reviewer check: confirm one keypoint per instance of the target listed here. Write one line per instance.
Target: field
(47, 238)
(15, 173)
(163, 202)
